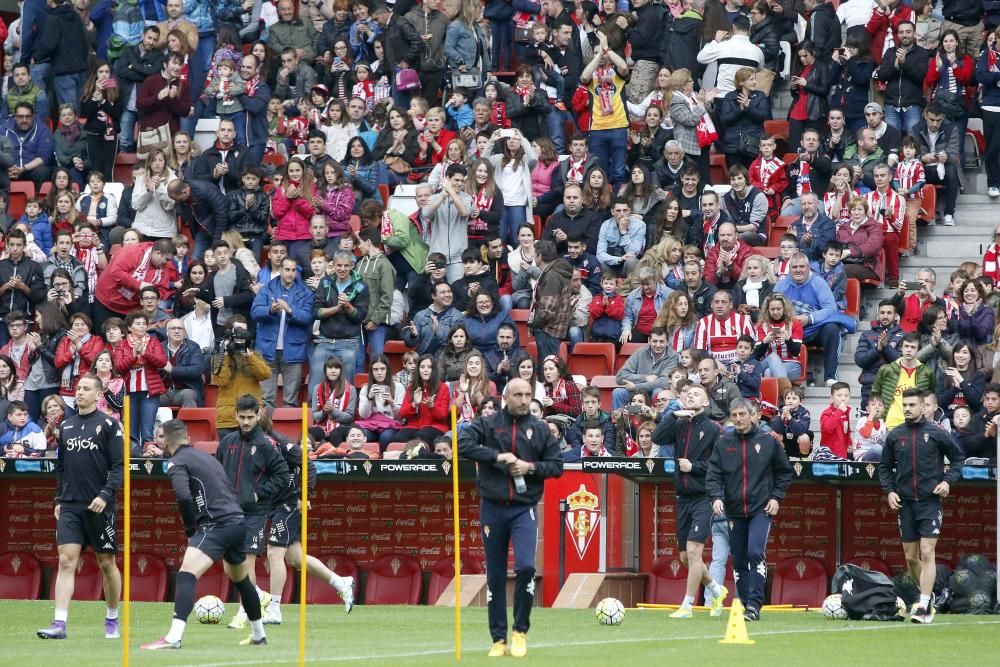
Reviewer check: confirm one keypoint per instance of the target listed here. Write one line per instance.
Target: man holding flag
(515, 452)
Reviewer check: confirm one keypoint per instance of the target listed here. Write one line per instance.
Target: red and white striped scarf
(991, 262)
(780, 266)
(575, 172)
(845, 212)
(768, 168)
(89, 258)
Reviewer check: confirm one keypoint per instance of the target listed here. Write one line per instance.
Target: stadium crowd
(573, 173)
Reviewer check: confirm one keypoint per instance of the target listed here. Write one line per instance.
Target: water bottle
(519, 484)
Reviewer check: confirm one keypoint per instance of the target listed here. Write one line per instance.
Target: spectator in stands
(483, 319)
(70, 145)
(23, 283)
(164, 98)
(380, 277)
(133, 66)
(862, 237)
(887, 137)
(721, 390)
(63, 45)
(449, 215)
(973, 320)
(452, 358)
(817, 311)
(646, 370)
(75, 353)
(701, 291)
(175, 20)
(822, 29)
(980, 440)
(725, 260)
(717, 333)
(283, 310)
(939, 151)
(183, 375)
(230, 288)
(402, 45)
(862, 156)
(988, 74)
(727, 54)
(562, 396)
(935, 341)
(678, 318)
(225, 161)
(835, 423)
(814, 229)
(888, 208)
(779, 335)
(902, 71)
(22, 88)
(703, 231)
(591, 414)
(756, 282)
(574, 220)
(33, 145)
(765, 34)
(897, 376)
(686, 110)
(552, 307)
(911, 308)
(642, 305)
(809, 90)
(341, 305)
(742, 113)
(237, 372)
(425, 404)
(429, 327)
(882, 25)
(746, 371)
(334, 402)
(203, 208)
(139, 359)
(182, 155)
(966, 20)
(318, 241)
(254, 102)
(810, 172)
(379, 401)
(621, 240)
(877, 346)
(669, 169)
(960, 384)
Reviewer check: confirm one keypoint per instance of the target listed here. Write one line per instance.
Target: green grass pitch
(424, 636)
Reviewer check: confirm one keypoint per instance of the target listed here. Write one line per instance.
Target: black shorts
(222, 540)
(286, 526)
(78, 525)
(693, 520)
(920, 518)
(255, 538)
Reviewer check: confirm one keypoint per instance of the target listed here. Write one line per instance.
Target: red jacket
(88, 354)
(879, 24)
(962, 71)
(743, 250)
(835, 431)
(154, 359)
(118, 289)
(437, 416)
(292, 216)
(443, 138)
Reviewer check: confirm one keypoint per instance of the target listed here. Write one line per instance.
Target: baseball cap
(873, 107)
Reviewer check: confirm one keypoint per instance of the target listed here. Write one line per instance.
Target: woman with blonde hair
(679, 318)
(686, 109)
(241, 253)
(456, 152)
(779, 340)
(154, 209)
(754, 286)
(182, 154)
(655, 259)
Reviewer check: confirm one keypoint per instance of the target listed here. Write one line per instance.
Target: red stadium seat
(200, 423)
(789, 158)
(20, 576)
(532, 349)
(770, 252)
(803, 364)
(628, 349)
(876, 282)
(520, 317)
(20, 193)
(394, 351)
(853, 308)
(360, 380)
(666, 582)
(383, 190)
(149, 578)
(872, 565)
(718, 170)
(207, 446)
(779, 130)
(122, 171)
(263, 567)
(89, 580)
(394, 579)
(769, 390)
(590, 359)
(355, 223)
(320, 592)
(538, 226)
(607, 384)
(213, 582)
(800, 580)
(277, 160)
(443, 571)
(211, 395)
(288, 421)
(928, 205)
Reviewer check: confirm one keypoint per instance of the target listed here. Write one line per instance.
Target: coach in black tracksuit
(912, 475)
(511, 447)
(748, 475)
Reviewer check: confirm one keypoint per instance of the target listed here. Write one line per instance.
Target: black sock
(184, 595)
(248, 596)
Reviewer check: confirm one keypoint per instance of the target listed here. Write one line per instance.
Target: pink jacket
(338, 205)
(292, 216)
(541, 178)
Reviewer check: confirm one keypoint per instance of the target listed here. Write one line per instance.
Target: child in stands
(767, 174)
(746, 372)
(835, 425)
(788, 245)
(831, 269)
(791, 424)
(607, 310)
(909, 182)
(871, 431)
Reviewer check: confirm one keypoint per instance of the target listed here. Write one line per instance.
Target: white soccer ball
(833, 607)
(610, 611)
(209, 610)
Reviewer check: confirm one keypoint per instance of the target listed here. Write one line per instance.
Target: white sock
(275, 606)
(260, 593)
(688, 602)
(176, 630)
(111, 613)
(62, 615)
(925, 601)
(714, 588)
(337, 581)
(258, 629)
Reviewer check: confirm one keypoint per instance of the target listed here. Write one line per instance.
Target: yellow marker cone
(736, 627)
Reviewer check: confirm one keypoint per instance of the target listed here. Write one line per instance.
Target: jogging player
(692, 435)
(215, 527)
(748, 475)
(284, 543)
(515, 452)
(90, 468)
(258, 474)
(912, 475)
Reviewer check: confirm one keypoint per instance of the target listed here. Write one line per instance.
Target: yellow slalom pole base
(736, 627)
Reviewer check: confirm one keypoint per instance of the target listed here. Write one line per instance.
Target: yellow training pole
(304, 482)
(126, 589)
(454, 513)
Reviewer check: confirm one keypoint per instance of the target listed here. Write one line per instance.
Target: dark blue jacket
(574, 433)
(36, 142)
(207, 210)
(483, 331)
(989, 80)
(796, 426)
(298, 324)
(255, 118)
(824, 230)
(869, 358)
(748, 379)
(187, 369)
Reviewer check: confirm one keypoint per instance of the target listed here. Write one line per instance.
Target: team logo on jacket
(253, 450)
(528, 432)
(756, 448)
(927, 437)
(583, 518)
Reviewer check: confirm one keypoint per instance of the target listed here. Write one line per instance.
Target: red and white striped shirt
(763, 171)
(780, 266)
(718, 337)
(845, 211)
(908, 174)
(779, 347)
(895, 210)
(991, 262)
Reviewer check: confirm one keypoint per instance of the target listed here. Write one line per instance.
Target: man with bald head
(184, 373)
(515, 452)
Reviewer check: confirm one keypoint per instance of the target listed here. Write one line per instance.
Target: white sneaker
(994, 192)
(271, 617)
(831, 382)
(347, 594)
(265, 600)
(239, 621)
(949, 220)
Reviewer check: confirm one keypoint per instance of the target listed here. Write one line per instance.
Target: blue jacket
(483, 331)
(33, 15)
(298, 324)
(255, 118)
(989, 80)
(36, 142)
(748, 379)
(824, 230)
(633, 302)
(814, 299)
(187, 369)
(199, 12)
(835, 278)
(41, 229)
(634, 240)
(460, 46)
(426, 342)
